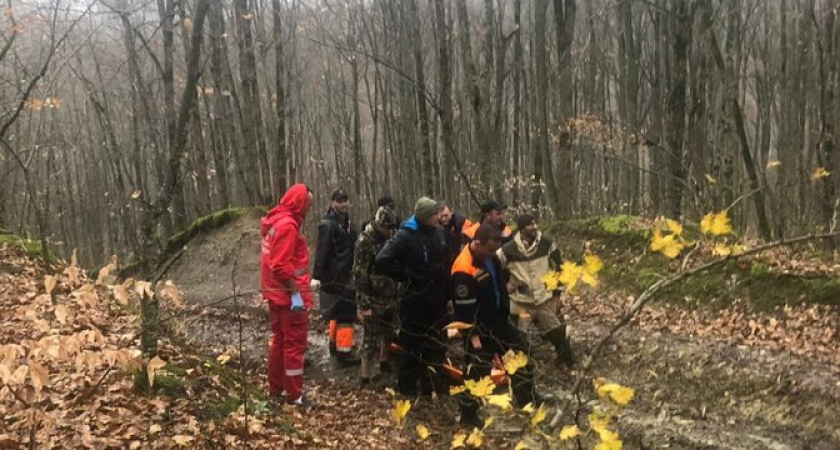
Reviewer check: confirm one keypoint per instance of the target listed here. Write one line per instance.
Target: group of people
(405, 281)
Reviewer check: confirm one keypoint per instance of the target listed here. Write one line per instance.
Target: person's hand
(297, 302)
(315, 285)
(475, 341)
(364, 313)
(511, 287)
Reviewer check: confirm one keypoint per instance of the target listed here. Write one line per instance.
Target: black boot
(348, 360)
(558, 338)
(470, 419)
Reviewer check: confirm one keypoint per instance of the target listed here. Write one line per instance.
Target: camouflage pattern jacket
(373, 291)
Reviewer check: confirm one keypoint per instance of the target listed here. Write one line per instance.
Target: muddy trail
(691, 392)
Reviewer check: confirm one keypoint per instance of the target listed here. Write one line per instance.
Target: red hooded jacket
(285, 255)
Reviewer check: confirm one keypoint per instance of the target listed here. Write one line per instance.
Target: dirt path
(691, 393)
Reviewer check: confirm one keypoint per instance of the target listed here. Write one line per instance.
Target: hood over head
(292, 204)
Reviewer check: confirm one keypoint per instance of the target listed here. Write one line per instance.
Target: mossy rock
(30, 248)
(212, 221)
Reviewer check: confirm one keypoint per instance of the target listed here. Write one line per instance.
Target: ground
(710, 372)
(732, 360)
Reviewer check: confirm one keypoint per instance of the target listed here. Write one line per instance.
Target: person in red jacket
(286, 287)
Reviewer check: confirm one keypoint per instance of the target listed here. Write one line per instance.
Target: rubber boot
(562, 347)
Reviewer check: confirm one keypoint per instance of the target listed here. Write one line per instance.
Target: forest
(682, 152)
(126, 120)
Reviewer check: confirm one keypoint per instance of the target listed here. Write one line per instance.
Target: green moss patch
(622, 242)
(212, 221)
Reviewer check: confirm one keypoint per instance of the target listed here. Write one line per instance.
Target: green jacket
(373, 291)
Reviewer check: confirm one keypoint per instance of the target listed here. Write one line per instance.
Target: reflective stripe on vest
(294, 372)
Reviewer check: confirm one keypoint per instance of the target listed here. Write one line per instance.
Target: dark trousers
(421, 337)
(479, 364)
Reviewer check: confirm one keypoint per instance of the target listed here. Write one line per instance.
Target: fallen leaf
(422, 431)
(569, 432)
(49, 283)
(155, 364)
(40, 376)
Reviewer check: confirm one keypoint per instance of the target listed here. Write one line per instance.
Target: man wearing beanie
(528, 258)
(376, 295)
(416, 256)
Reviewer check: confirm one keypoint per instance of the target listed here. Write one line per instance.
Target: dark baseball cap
(339, 195)
(492, 205)
(386, 200)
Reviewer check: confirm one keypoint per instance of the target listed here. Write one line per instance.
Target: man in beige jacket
(528, 258)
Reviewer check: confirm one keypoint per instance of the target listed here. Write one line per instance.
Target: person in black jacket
(452, 222)
(334, 274)
(416, 256)
(481, 299)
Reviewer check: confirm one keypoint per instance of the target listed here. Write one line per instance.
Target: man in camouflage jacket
(376, 295)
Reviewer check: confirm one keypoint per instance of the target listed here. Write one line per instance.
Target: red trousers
(286, 351)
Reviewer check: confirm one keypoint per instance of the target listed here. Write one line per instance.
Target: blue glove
(297, 302)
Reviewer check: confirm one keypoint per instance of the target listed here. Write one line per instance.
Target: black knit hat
(339, 195)
(524, 220)
(492, 205)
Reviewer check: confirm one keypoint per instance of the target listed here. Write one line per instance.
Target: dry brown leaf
(155, 364)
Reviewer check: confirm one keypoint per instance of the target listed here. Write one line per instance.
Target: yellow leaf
(773, 164)
(710, 179)
(674, 226)
(514, 361)
(391, 392)
(155, 364)
(569, 432)
(183, 440)
(401, 408)
(502, 401)
(248, 16)
(40, 376)
(539, 416)
(487, 423)
(569, 275)
(598, 421)
(721, 250)
(716, 224)
(619, 394)
(521, 446)
(476, 438)
(738, 249)
(551, 280)
(588, 279)
(459, 440)
(455, 390)
(820, 173)
(592, 264)
(609, 440)
(529, 408)
(422, 431)
(458, 326)
(155, 429)
(223, 358)
(667, 245)
(49, 283)
(481, 388)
